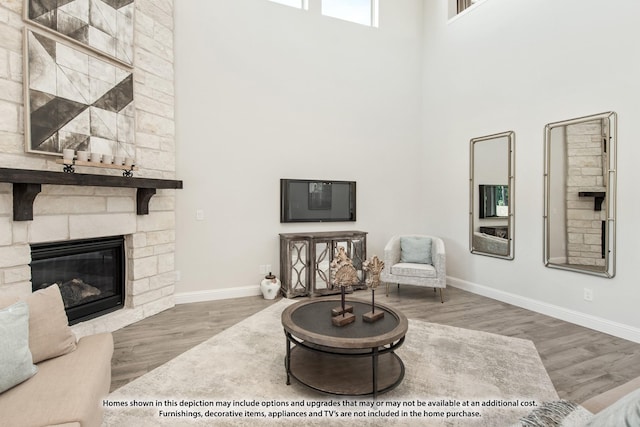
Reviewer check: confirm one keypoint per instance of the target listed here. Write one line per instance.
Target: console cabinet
(305, 260)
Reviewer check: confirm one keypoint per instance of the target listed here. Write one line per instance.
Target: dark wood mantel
(27, 184)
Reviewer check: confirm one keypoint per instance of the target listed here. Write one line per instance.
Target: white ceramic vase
(270, 286)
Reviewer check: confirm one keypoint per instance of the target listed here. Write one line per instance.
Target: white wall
(520, 64)
(265, 91)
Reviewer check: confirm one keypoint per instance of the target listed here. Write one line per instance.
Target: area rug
(453, 377)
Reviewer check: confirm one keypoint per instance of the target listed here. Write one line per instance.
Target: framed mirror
(491, 195)
(580, 194)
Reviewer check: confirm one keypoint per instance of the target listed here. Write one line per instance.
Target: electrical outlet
(267, 268)
(199, 214)
(588, 294)
(178, 275)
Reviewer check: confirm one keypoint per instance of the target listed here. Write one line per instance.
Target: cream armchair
(415, 259)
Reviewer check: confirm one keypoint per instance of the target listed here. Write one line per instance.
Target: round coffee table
(357, 359)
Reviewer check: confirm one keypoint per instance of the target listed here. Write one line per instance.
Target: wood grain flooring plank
(581, 362)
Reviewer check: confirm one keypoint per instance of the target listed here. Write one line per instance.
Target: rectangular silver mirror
(580, 194)
(491, 195)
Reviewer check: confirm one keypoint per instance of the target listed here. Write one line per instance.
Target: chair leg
(387, 289)
(441, 297)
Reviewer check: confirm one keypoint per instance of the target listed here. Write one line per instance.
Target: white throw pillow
(16, 363)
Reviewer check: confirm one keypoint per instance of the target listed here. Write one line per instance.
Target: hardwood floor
(580, 362)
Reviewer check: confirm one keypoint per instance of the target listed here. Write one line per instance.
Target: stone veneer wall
(65, 212)
(585, 173)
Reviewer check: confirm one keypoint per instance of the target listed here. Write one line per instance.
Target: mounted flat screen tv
(305, 200)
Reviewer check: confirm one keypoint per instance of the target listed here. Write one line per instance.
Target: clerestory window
(464, 4)
(299, 4)
(363, 12)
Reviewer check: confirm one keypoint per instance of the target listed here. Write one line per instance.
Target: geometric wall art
(103, 25)
(76, 100)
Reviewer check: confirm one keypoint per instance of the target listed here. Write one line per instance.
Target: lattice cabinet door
(294, 267)
(322, 256)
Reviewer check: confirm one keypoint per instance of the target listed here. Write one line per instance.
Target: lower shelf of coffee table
(343, 374)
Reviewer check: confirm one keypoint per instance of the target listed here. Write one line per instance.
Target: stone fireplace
(66, 213)
(89, 272)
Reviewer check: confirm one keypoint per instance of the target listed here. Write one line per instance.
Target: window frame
(462, 5)
(304, 4)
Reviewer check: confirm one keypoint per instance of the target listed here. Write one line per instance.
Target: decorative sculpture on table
(374, 268)
(345, 275)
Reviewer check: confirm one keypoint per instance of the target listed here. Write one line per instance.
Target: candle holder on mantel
(96, 160)
(345, 275)
(374, 268)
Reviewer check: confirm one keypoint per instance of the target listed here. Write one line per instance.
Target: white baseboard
(588, 321)
(217, 294)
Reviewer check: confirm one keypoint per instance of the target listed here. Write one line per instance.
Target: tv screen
(304, 200)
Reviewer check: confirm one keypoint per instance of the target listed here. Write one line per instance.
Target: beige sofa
(604, 400)
(72, 377)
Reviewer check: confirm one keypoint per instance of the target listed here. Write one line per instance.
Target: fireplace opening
(90, 274)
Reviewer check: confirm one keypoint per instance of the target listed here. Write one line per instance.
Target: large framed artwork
(103, 25)
(75, 100)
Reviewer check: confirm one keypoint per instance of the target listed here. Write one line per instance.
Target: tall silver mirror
(491, 195)
(580, 194)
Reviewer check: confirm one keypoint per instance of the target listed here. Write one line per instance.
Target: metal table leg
(287, 360)
(374, 363)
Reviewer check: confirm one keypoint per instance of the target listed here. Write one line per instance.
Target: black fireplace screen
(90, 274)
